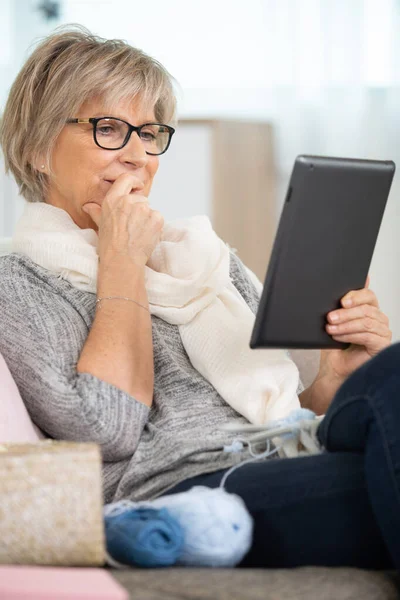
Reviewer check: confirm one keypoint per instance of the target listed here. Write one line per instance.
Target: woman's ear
(39, 165)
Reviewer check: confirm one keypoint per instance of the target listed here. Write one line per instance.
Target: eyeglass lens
(111, 134)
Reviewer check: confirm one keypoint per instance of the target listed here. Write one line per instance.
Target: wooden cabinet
(224, 169)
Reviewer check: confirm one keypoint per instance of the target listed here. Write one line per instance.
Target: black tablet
(323, 248)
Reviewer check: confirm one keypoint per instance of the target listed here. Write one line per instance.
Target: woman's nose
(134, 152)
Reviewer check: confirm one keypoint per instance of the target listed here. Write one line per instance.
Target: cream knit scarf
(188, 284)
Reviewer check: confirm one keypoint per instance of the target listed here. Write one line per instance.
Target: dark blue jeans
(339, 508)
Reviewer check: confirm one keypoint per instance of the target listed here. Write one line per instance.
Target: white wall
(325, 72)
(183, 185)
(20, 24)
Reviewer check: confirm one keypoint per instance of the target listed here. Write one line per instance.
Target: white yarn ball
(217, 526)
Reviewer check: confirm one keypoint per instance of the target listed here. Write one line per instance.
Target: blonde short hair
(67, 68)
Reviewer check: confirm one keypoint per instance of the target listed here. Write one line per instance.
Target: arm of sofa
(307, 362)
(15, 422)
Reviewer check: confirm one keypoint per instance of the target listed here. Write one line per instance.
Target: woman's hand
(128, 228)
(361, 324)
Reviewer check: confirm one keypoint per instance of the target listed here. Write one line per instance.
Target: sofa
(305, 583)
(216, 584)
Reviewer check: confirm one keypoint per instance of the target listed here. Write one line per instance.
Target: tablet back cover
(323, 248)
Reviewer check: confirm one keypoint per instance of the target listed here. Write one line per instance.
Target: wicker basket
(51, 504)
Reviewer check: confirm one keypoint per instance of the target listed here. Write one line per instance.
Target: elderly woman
(122, 333)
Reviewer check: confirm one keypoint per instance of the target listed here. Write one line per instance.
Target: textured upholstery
(306, 583)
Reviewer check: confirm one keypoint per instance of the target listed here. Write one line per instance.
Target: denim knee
(345, 426)
(346, 422)
(371, 376)
(384, 365)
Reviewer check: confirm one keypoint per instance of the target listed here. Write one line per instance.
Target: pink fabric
(47, 583)
(15, 422)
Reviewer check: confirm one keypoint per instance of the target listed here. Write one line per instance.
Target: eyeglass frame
(95, 120)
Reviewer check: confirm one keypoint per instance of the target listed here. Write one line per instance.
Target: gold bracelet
(120, 298)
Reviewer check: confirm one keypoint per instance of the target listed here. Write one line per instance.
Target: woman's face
(83, 171)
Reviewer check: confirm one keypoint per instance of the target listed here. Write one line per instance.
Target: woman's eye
(105, 130)
(147, 135)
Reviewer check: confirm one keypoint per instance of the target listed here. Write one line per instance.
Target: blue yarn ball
(143, 537)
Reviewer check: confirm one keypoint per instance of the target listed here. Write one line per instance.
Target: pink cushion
(19, 582)
(15, 422)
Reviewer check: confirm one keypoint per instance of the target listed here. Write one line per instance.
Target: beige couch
(306, 583)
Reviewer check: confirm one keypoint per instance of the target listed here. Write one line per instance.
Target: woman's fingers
(358, 297)
(124, 185)
(366, 311)
(372, 342)
(360, 322)
(129, 227)
(94, 211)
(366, 325)
(362, 325)
(370, 331)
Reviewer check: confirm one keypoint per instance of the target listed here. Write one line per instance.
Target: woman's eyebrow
(118, 116)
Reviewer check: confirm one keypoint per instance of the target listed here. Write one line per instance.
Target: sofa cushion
(305, 583)
(15, 422)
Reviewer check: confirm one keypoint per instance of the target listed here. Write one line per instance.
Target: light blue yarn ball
(217, 526)
(299, 414)
(295, 416)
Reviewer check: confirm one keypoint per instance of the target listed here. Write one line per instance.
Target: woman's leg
(340, 507)
(365, 417)
(307, 511)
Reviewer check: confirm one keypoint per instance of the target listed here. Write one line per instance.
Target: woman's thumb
(94, 212)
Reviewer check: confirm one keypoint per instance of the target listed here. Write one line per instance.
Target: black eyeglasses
(110, 133)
